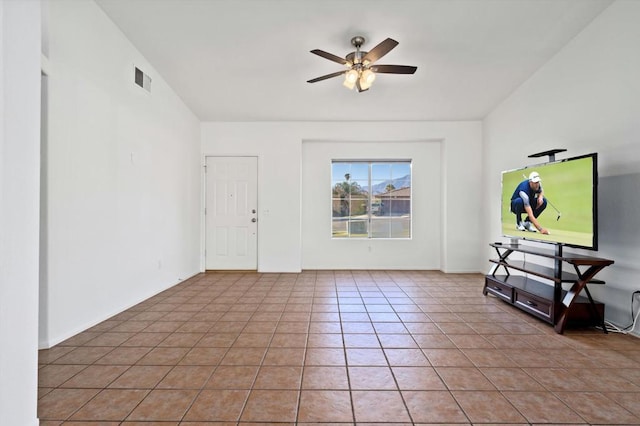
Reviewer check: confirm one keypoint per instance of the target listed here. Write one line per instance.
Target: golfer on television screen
(529, 198)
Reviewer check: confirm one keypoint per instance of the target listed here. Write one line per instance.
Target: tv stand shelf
(541, 271)
(548, 301)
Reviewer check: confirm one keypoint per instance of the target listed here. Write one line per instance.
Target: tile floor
(336, 347)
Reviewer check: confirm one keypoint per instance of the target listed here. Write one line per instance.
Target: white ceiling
(249, 60)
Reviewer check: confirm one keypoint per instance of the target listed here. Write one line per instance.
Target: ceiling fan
(361, 71)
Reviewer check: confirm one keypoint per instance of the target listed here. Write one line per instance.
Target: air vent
(143, 80)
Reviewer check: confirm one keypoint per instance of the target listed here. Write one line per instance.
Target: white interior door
(231, 217)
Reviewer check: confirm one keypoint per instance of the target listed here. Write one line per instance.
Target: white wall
(288, 233)
(586, 99)
(320, 251)
(123, 174)
(19, 207)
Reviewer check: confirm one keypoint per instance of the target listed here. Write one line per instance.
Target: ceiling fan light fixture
(350, 79)
(367, 78)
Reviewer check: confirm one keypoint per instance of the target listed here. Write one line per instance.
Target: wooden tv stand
(548, 301)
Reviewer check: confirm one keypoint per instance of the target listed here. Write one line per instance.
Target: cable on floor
(611, 327)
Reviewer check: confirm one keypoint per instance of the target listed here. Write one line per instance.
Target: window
(371, 199)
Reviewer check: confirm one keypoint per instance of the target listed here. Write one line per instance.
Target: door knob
(254, 220)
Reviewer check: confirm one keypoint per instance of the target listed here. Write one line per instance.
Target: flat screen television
(570, 189)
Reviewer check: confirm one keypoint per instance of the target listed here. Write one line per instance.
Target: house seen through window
(371, 199)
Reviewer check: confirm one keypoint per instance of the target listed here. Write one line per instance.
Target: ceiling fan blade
(394, 69)
(380, 50)
(330, 56)
(324, 77)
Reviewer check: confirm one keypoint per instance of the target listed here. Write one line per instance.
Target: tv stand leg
(572, 294)
(594, 310)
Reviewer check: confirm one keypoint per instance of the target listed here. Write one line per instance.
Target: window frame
(370, 216)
